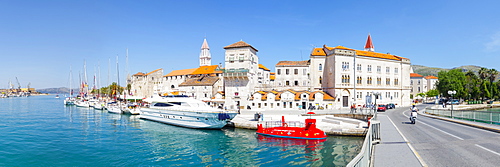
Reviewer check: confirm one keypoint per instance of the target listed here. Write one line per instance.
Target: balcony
(235, 73)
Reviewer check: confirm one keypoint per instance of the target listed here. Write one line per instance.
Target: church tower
(369, 45)
(205, 58)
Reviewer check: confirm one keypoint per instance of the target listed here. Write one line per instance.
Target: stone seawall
(330, 123)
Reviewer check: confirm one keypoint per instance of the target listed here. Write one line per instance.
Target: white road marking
(488, 149)
(438, 129)
(408, 143)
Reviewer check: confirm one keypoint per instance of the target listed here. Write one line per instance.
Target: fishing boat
(291, 129)
(187, 112)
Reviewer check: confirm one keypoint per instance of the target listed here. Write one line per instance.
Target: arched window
(172, 86)
(320, 79)
(320, 67)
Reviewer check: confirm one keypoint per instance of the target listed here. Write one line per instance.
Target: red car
(381, 107)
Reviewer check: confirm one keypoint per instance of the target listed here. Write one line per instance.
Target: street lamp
(452, 92)
(375, 108)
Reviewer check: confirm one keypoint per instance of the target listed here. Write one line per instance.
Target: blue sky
(41, 40)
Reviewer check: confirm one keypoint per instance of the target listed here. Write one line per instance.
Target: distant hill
(425, 71)
(61, 90)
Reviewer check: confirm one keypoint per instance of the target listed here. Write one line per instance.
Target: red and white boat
(291, 130)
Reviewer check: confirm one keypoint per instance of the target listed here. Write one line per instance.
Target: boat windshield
(162, 105)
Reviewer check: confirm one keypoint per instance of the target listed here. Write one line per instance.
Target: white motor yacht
(186, 112)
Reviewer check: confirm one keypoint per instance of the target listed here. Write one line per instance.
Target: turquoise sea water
(41, 131)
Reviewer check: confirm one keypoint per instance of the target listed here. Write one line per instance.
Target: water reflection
(146, 143)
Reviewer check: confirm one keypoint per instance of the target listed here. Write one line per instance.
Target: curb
(461, 122)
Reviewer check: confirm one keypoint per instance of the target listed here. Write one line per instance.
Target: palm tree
(483, 74)
(492, 75)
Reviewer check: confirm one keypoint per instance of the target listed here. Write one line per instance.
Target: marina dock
(333, 122)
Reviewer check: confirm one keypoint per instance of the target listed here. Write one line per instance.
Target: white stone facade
(354, 76)
(292, 75)
(333, 78)
(240, 76)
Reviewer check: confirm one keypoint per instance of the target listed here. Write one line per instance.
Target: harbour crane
(18, 85)
(29, 83)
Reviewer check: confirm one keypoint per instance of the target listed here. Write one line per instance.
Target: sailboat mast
(99, 79)
(85, 90)
(118, 82)
(70, 82)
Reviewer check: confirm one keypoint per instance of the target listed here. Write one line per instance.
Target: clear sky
(41, 40)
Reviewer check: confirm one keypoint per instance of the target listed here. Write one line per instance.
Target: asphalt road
(443, 143)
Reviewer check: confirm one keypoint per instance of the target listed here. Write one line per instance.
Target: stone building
(356, 76)
(147, 85)
(292, 75)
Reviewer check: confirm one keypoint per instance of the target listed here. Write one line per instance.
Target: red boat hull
(308, 132)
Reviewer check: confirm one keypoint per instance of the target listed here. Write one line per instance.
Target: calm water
(41, 131)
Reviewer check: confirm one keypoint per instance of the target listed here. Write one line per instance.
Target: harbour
(43, 132)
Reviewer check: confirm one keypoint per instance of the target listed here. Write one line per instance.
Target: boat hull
(189, 119)
(293, 132)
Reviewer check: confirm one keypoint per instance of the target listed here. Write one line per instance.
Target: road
(443, 143)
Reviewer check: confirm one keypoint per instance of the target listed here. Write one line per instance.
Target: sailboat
(70, 100)
(116, 107)
(83, 102)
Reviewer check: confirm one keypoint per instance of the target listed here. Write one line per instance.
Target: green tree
(492, 75)
(452, 80)
(432, 93)
(472, 85)
(483, 74)
(129, 87)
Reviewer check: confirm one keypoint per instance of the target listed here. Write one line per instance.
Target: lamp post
(452, 92)
(375, 108)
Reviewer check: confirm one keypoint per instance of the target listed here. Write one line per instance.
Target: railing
(491, 117)
(269, 124)
(365, 155)
(234, 70)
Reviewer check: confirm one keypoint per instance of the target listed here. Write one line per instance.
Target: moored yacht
(82, 103)
(186, 112)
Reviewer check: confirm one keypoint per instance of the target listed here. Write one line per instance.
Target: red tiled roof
(181, 72)
(153, 71)
(430, 77)
(139, 74)
(293, 63)
(200, 81)
(368, 53)
(206, 70)
(240, 44)
(318, 52)
(415, 75)
(297, 94)
(369, 43)
(263, 67)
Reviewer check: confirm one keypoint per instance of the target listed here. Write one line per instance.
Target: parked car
(391, 106)
(454, 101)
(381, 107)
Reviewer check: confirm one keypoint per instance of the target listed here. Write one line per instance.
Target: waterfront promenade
(434, 141)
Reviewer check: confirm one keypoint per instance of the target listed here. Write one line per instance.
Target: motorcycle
(413, 117)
